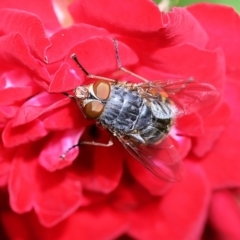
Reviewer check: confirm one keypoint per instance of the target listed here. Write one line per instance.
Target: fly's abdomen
(162, 115)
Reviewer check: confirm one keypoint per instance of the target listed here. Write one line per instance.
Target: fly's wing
(188, 96)
(162, 159)
(168, 99)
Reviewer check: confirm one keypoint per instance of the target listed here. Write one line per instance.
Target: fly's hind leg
(109, 144)
(123, 68)
(92, 143)
(63, 156)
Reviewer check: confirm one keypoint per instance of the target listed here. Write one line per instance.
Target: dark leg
(109, 144)
(74, 57)
(120, 64)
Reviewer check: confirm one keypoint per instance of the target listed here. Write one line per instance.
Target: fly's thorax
(92, 98)
(122, 109)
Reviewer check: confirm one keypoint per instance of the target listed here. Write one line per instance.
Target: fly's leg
(92, 143)
(74, 57)
(63, 156)
(68, 95)
(109, 144)
(123, 68)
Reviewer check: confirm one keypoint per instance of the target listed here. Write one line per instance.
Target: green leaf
(233, 3)
(171, 2)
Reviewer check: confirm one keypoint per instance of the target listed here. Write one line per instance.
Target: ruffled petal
(185, 206)
(108, 224)
(118, 16)
(29, 26)
(44, 9)
(223, 31)
(99, 168)
(222, 164)
(55, 153)
(38, 105)
(224, 206)
(65, 39)
(53, 196)
(32, 131)
(97, 55)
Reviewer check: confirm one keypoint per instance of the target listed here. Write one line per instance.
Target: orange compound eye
(93, 110)
(102, 89)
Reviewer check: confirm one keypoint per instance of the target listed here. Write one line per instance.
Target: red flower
(103, 193)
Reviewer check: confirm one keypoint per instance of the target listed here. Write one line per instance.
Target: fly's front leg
(123, 68)
(74, 57)
(68, 95)
(101, 78)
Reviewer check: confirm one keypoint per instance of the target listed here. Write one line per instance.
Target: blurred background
(234, 3)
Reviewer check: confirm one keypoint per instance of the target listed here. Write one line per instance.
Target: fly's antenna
(117, 53)
(74, 57)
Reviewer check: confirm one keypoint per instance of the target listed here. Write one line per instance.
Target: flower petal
(65, 39)
(58, 144)
(99, 168)
(5, 164)
(220, 21)
(108, 224)
(213, 126)
(39, 104)
(53, 196)
(155, 185)
(14, 136)
(203, 66)
(29, 26)
(16, 82)
(63, 118)
(16, 55)
(6, 113)
(97, 55)
(176, 27)
(222, 164)
(44, 9)
(66, 79)
(225, 206)
(119, 16)
(182, 28)
(190, 125)
(185, 206)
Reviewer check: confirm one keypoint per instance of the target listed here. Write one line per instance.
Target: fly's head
(92, 98)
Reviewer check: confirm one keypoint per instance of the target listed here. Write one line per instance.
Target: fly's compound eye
(93, 109)
(102, 89)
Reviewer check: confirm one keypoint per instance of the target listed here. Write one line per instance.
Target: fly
(141, 115)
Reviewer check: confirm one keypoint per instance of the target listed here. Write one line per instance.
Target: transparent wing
(162, 159)
(188, 96)
(169, 99)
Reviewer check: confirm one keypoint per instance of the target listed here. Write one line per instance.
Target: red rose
(104, 193)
